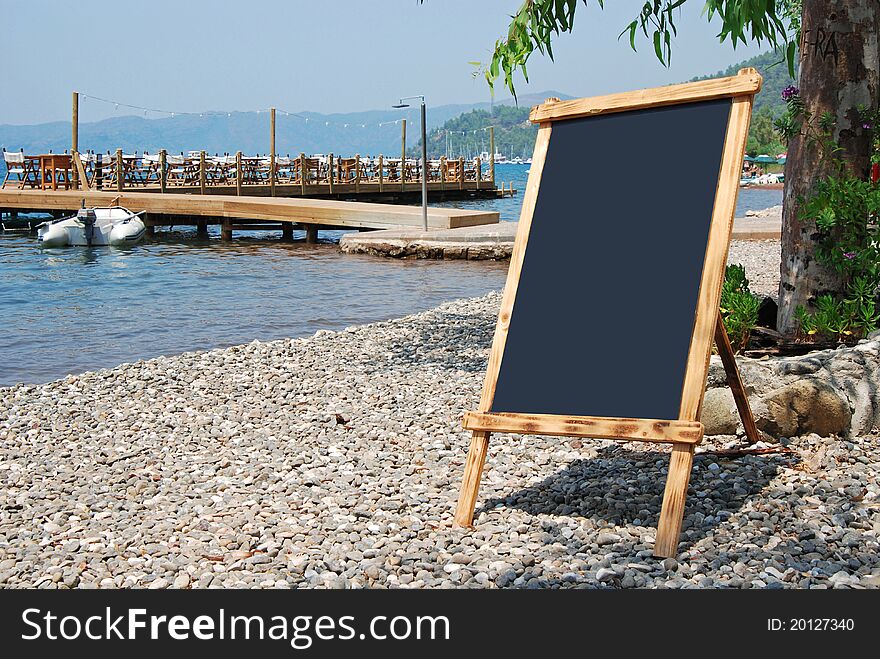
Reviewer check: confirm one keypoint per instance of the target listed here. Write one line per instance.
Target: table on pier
(52, 163)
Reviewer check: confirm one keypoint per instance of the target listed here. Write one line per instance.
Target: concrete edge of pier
(493, 241)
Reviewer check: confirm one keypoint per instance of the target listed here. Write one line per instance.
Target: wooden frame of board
(685, 432)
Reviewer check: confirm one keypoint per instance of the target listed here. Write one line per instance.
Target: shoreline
(333, 461)
(495, 242)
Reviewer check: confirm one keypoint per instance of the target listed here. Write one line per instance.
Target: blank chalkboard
(604, 310)
(611, 303)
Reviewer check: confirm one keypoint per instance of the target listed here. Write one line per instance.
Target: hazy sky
(314, 55)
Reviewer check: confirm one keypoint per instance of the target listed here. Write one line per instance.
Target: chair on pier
(20, 166)
(435, 170)
(470, 170)
(144, 170)
(347, 169)
(328, 170)
(412, 170)
(100, 169)
(181, 170)
(261, 168)
(221, 170)
(392, 169)
(283, 169)
(306, 171)
(369, 169)
(130, 174)
(454, 170)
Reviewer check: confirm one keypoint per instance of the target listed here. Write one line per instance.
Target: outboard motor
(88, 218)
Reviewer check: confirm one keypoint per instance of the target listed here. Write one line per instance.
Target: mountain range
(368, 132)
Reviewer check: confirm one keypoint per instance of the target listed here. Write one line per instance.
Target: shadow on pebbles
(334, 461)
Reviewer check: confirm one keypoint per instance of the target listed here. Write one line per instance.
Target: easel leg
(672, 512)
(470, 484)
(722, 342)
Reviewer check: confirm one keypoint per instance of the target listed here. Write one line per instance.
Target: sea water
(75, 309)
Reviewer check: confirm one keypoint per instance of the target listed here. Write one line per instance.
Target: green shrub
(739, 307)
(842, 320)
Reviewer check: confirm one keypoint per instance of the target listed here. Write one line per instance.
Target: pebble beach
(334, 462)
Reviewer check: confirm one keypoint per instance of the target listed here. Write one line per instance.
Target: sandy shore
(334, 461)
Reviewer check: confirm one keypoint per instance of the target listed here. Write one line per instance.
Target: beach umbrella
(765, 159)
(780, 160)
(749, 159)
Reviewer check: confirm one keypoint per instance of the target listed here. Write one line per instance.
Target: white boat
(500, 158)
(93, 227)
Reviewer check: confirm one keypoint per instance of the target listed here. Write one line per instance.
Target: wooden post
(311, 233)
(163, 170)
(402, 154)
(734, 381)
(492, 154)
(331, 173)
(226, 229)
(202, 173)
(74, 135)
(479, 172)
(272, 152)
(79, 170)
(381, 171)
(99, 171)
(287, 231)
(461, 173)
(444, 170)
(357, 173)
(302, 173)
(119, 170)
(202, 228)
(672, 510)
(470, 485)
(239, 174)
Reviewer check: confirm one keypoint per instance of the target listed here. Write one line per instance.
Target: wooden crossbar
(744, 84)
(648, 430)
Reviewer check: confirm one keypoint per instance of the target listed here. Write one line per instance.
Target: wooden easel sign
(611, 302)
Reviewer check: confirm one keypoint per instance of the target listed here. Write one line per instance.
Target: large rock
(719, 415)
(826, 392)
(805, 406)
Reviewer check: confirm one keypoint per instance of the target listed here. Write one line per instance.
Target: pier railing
(200, 172)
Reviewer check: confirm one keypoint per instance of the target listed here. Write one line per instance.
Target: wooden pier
(239, 213)
(239, 191)
(273, 174)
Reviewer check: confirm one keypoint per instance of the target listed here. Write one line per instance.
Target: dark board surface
(605, 306)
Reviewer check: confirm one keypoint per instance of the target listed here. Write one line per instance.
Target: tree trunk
(838, 72)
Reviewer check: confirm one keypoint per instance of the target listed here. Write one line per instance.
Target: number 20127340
(810, 625)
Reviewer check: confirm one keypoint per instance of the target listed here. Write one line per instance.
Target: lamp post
(424, 156)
